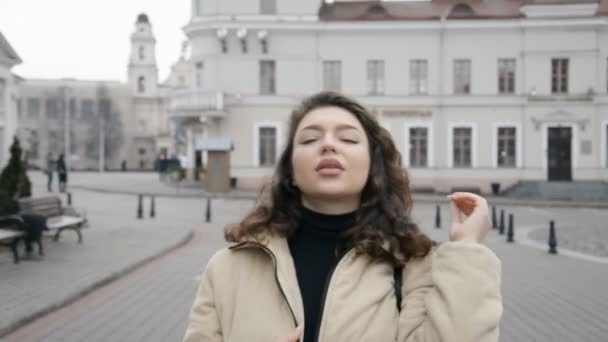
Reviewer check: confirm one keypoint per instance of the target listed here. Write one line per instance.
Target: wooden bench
(9, 235)
(58, 218)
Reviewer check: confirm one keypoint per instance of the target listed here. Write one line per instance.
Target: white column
(189, 153)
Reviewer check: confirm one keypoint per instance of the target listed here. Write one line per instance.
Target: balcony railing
(197, 103)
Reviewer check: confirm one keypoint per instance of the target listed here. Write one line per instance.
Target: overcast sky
(88, 39)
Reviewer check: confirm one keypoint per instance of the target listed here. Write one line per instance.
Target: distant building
(119, 121)
(8, 98)
(473, 91)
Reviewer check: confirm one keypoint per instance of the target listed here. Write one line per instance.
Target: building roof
(8, 50)
(436, 9)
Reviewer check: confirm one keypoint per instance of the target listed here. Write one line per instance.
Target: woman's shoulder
(236, 255)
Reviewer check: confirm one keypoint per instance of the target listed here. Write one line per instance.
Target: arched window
(141, 84)
(462, 10)
(142, 52)
(377, 10)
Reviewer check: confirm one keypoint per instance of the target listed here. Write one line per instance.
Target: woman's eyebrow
(338, 128)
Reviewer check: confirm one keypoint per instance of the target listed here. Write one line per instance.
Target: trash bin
(495, 188)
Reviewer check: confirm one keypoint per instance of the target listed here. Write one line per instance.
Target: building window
(73, 110)
(198, 75)
(268, 6)
(33, 141)
(2, 153)
(506, 76)
(2, 94)
(375, 77)
(198, 7)
(332, 75)
(419, 138)
(141, 84)
(52, 111)
(418, 77)
(559, 75)
(87, 109)
(105, 107)
(506, 153)
(19, 108)
(462, 10)
(606, 144)
(267, 146)
(33, 108)
(267, 77)
(462, 76)
(142, 52)
(462, 147)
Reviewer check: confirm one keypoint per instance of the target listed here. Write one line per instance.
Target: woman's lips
(329, 171)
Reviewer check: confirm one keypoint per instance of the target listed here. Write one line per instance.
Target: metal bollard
(140, 207)
(510, 232)
(552, 238)
(208, 213)
(438, 217)
(152, 209)
(494, 225)
(69, 198)
(501, 227)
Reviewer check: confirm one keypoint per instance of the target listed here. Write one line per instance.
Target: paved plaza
(134, 280)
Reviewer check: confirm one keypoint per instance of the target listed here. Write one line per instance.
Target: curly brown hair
(383, 228)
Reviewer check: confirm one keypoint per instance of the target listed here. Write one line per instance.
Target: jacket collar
(278, 249)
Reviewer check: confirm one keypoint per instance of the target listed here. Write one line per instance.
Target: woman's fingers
(456, 218)
(293, 337)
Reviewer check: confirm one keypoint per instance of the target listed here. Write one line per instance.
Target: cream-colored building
(8, 96)
(473, 91)
(123, 122)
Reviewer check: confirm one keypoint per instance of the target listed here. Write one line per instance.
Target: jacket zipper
(324, 297)
(276, 273)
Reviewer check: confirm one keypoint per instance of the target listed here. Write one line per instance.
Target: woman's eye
(307, 141)
(350, 141)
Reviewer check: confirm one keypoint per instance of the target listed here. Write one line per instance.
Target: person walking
(62, 173)
(50, 169)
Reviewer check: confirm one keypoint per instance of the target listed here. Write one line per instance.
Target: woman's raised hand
(293, 337)
(476, 225)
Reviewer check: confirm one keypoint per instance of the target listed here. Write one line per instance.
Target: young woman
(317, 260)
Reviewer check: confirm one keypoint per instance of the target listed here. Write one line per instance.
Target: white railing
(183, 101)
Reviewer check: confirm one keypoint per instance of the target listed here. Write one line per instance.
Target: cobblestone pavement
(546, 297)
(585, 237)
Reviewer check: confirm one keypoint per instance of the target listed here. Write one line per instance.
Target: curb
(424, 198)
(14, 326)
(523, 238)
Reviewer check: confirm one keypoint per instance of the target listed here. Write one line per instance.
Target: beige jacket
(249, 293)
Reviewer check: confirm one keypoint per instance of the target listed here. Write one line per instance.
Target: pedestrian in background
(62, 173)
(50, 169)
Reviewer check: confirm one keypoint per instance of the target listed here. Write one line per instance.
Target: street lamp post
(64, 90)
(102, 142)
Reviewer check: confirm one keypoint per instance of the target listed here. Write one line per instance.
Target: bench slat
(63, 221)
(9, 234)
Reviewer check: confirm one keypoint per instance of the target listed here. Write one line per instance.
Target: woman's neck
(330, 206)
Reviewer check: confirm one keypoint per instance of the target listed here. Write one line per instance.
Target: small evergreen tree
(13, 179)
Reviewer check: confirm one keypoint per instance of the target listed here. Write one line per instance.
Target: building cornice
(306, 24)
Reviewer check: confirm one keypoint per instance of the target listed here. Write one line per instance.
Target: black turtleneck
(313, 249)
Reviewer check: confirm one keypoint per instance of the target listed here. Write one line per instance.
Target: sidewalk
(546, 297)
(149, 184)
(114, 243)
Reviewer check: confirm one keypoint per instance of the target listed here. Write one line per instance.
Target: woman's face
(330, 159)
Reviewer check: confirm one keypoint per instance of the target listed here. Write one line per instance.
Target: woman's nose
(328, 147)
